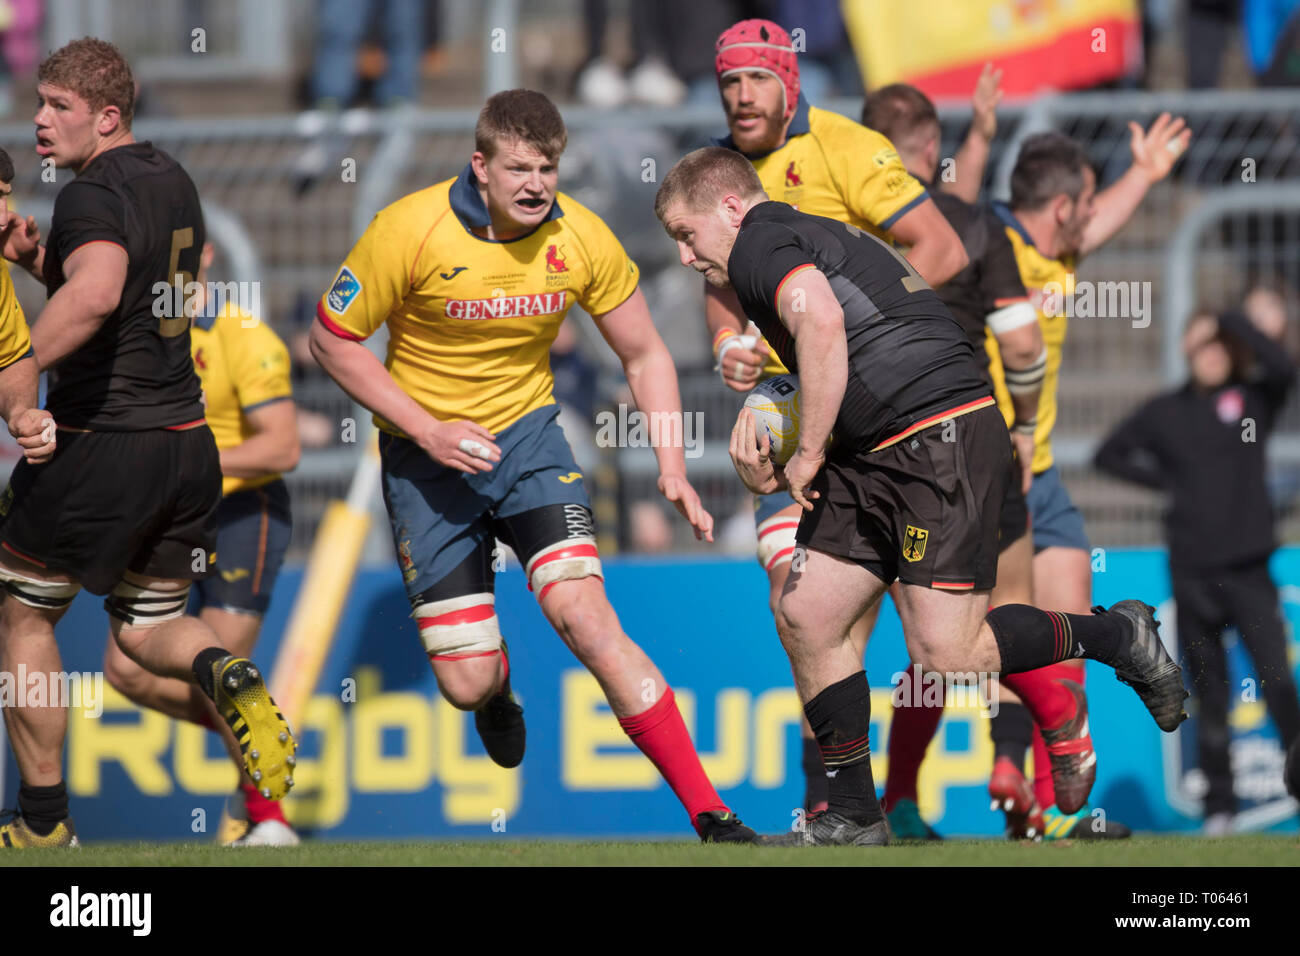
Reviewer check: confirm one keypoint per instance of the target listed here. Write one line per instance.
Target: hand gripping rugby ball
(774, 403)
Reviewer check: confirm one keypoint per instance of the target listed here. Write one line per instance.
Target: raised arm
(973, 155)
(1154, 154)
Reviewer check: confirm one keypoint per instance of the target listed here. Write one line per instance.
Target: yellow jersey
(471, 320)
(1047, 281)
(831, 166)
(242, 365)
(15, 337)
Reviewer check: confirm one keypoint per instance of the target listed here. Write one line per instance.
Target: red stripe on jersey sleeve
(776, 301)
(334, 327)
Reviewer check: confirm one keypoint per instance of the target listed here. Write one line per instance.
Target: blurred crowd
(388, 53)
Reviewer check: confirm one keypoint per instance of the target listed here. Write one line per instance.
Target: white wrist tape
(733, 342)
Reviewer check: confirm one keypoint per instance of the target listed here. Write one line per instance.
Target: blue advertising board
(383, 757)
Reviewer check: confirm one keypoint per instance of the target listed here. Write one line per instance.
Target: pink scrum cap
(764, 46)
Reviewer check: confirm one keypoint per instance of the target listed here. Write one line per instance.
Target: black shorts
(1013, 519)
(253, 531)
(109, 502)
(923, 511)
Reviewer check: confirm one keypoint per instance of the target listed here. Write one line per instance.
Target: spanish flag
(940, 46)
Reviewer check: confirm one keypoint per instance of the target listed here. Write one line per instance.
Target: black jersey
(990, 281)
(135, 372)
(908, 358)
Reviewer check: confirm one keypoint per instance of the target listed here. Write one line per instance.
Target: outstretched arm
(1154, 154)
(973, 155)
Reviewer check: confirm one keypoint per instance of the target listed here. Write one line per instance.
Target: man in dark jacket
(1204, 444)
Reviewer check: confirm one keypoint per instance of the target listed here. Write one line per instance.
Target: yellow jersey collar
(469, 208)
(1003, 212)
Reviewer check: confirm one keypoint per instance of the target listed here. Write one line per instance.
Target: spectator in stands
(1204, 444)
(20, 45)
(341, 26)
(1272, 32)
(601, 82)
(1209, 24)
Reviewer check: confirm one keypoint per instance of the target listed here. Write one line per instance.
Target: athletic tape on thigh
(34, 592)
(459, 627)
(568, 560)
(776, 540)
(145, 607)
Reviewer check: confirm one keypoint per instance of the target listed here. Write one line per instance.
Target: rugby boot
(829, 828)
(1081, 825)
(500, 725)
(1074, 762)
(723, 826)
(906, 824)
(16, 834)
(1145, 665)
(264, 737)
(1011, 793)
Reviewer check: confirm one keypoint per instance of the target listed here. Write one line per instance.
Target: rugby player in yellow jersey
(1054, 218)
(19, 376)
(473, 277)
(822, 164)
(248, 403)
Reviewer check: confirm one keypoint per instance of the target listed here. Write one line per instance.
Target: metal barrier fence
(303, 194)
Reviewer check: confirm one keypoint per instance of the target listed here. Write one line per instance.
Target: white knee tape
(146, 607)
(34, 592)
(568, 560)
(460, 626)
(776, 540)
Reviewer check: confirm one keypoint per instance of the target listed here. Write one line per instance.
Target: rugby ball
(774, 403)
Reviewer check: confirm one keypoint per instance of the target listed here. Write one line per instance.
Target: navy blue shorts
(441, 516)
(1056, 521)
(253, 531)
(767, 506)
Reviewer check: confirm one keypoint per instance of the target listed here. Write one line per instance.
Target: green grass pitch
(1139, 851)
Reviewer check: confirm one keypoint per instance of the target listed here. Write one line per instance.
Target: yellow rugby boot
(16, 834)
(264, 737)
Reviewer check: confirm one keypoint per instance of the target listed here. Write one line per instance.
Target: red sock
(1044, 791)
(910, 733)
(260, 808)
(661, 735)
(1049, 703)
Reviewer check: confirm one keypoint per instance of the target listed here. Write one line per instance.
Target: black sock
(1012, 731)
(42, 808)
(202, 667)
(1029, 638)
(840, 717)
(816, 783)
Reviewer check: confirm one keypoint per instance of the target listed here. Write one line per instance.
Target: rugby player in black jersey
(911, 489)
(126, 507)
(990, 303)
